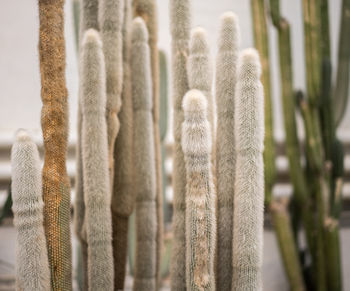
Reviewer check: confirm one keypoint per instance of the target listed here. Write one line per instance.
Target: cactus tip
(250, 61)
(92, 36)
(194, 100)
(229, 18)
(199, 43)
(22, 135)
(139, 30)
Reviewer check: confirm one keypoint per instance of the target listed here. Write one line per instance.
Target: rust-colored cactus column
(54, 121)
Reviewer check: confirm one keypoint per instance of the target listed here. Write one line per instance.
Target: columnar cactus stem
(249, 180)
(180, 32)
(147, 9)
(54, 121)
(111, 22)
(95, 164)
(144, 162)
(123, 195)
(88, 19)
(32, 265)
(200, 73)
(226, 65)
(200, 196)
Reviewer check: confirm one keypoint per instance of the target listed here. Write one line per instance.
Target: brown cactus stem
(54, 122)
(262, 45)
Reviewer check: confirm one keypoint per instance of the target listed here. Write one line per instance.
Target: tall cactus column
(97, 194)
(147, 9)
(54, 121)
(32, 265)
(226, 67)
(144, 174)
(180, 33)
(111, 22)
(123, 194)
(200, 194)
(249, 181)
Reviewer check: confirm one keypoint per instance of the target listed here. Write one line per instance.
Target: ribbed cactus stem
(226, 66)
(123, 195)
(111, 23)
(200, 73)
(180, 32)
(200, 196)
(249, 180)
(144, 162)
(95, 164)
(32, 264)
(147, 9)
(54, 122)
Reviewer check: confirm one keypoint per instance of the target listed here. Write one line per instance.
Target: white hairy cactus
(226, 66)
(180, 32)
(200, 196)
(200, 72)
(32, 264)
(249, 176)
(111, 23)
(95, 164)
(144, 160)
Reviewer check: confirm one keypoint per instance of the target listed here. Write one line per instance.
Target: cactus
(226, 66)
(199, 69)
(88, 19)
(111, 23)
(95, 164)
(200, 196)
(32, 265)
(249, 180)
(54, 121)
(180, 33)
(144, 174)
(123, 195)
(147, 9)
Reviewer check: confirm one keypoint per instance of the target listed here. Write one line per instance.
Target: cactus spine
(111, 22)
(200, 196)
(147, 9)
(123, 195)
(199, 69)
(95, 164)
(226, 67)
(249, 180)
(32, 265)
(145, 180)
(180, 33)
(54, 121)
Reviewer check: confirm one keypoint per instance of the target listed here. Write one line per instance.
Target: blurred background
(20, 103)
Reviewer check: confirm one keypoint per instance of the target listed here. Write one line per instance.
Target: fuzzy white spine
(249, 181)
(226, 66)
(32, 265)
(95, 165)
(144, 161)
(200, 196)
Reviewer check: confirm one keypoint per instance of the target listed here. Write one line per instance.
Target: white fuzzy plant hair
(32, 265)
(180, 25)
(97, 192)
(200, 194)
(111, 23)
(226, 66)
(144, 160)
(249, 180)
(200, 71)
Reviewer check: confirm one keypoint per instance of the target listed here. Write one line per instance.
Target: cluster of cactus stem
(315, 204)
(218, 173)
